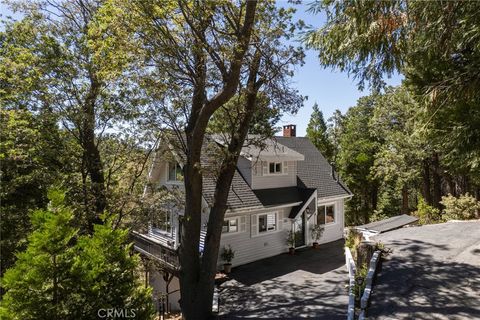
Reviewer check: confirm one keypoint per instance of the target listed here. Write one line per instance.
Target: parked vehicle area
(309, 284)
(433, 273)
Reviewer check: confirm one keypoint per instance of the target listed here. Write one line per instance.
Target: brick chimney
(290, 130)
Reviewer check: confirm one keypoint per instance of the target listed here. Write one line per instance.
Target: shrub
(317, 232)
(352, 240)
(426, 213)
(384, 250)
(462, 208)
(360, 281)
(291, 239)
(228, 254)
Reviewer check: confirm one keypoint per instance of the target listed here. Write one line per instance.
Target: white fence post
(351, 276)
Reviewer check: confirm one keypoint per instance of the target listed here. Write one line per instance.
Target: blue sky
(331, 89)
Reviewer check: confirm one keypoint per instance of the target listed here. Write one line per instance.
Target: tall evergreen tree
(317, 133)
(65, 275)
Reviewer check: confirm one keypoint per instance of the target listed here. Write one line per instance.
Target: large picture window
(267, 222)
(175, 172)
(230, 225)
(326, 214)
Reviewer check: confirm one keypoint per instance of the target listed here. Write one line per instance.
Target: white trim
(238, 226)
(276, 174)
(335, 217)
(277, 229)
(167, 176)
(333, 198)
(249, 209)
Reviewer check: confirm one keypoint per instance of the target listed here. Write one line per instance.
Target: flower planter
(316, 245)
(291, 251)
(227, 268)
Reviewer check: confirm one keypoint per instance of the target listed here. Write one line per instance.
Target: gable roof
(314, 172)
(240, 195)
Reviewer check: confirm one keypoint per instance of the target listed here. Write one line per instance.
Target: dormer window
(175, 172)
(275, 167)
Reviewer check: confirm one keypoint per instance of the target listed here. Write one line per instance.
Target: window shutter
(253, 225)
(285, 167)
(243, 223)
(280, 220)
(264, 168)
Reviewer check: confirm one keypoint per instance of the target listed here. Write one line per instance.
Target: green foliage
(356, 156)
(385, 251)
(352, 240)
(360, 281)
(227, 254)
(65, 275)
(30, 156)
(317, 231)
(317, 133)
(434, 44)
(290, 239)
(427, 214)
(463, 207)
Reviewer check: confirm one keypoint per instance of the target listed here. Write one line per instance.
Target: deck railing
(156, 251)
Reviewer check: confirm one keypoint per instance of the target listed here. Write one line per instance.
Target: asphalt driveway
(433, 273)
(310, 284)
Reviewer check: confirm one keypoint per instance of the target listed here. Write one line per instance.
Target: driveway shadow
(416, 284)
(310, 284)
(328, 257)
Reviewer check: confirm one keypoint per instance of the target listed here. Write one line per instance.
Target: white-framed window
(230, 225)
(175, 172)
(267, 222)
(163, 223)
(275, 167)
(326, 214)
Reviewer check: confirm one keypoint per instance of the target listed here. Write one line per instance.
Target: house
(287, 185)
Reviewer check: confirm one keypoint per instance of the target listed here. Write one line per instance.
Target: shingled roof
(315, 171)
(312, 173)
(240, 195)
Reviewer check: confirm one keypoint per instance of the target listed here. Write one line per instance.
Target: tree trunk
(427, 196)
(91, 154)
(197, 279)
(405, 208)
(451, 185)
(437, 182)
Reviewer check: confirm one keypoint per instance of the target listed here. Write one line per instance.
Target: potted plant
(291, 242)
(227, 255)
(317, 232)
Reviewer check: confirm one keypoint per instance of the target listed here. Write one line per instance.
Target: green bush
(352, 240)
(360, 281)
(227, 254)
(462, 208)
(426, 213)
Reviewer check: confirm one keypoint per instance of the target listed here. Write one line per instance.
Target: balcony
(156, 251)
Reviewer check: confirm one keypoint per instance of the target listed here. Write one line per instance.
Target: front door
(299, 230)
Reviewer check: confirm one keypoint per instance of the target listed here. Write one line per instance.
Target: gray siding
(250, 246)
(261, 180)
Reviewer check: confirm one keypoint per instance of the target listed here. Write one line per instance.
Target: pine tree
(317, 133)
(65, 275)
